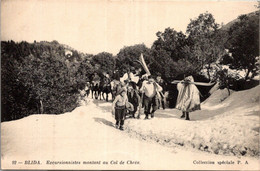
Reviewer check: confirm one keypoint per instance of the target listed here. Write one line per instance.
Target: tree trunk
(41, 107)
(228, 90)
(208, 72)
(247, 74)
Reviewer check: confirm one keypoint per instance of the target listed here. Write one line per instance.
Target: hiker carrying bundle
(150, 90)
(188, 97)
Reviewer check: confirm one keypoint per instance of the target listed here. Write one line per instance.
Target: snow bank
(232, 126)
(217, 97)
(88, 134)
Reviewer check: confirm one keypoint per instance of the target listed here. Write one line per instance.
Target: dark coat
(133, 98)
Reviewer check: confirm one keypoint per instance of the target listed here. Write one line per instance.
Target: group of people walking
(133, 91)
(150, 94)
(131, 98)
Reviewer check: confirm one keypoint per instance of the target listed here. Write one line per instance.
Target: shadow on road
(104, 121)
(166, 114)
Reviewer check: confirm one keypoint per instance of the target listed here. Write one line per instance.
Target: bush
(35, 79)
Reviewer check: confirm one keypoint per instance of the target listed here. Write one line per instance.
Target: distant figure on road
(87, 88)
(162, 83)
(188, 97)
(95, 85)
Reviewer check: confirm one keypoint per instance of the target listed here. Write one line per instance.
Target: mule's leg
(108, 94)
(105, 98)
(103, 95)
(99, 95)
(109, 91)
(88, 92)
(96, 94)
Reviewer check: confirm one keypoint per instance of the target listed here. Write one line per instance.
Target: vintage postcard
(130, 85)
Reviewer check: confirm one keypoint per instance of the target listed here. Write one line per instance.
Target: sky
(107, 25)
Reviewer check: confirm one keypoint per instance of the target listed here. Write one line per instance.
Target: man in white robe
(188, 97)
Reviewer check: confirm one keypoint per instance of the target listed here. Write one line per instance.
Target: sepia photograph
(130, 85)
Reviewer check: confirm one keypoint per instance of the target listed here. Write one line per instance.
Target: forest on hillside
(41, 77)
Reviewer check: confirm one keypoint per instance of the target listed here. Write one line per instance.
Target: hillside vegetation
(45, 77)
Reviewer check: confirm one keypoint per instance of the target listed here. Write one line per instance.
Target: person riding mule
(96, 79)
(95, 83)
(105, 87)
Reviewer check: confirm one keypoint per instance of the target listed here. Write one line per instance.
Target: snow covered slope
(225, 125)
(165, 142)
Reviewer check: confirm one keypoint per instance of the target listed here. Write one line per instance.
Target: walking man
(133, 97)
(150, 90)
(162, 83)
(188, 97)
(119, 108)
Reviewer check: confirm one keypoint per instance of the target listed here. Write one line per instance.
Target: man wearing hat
(162, 83)
(96, 79)
(119, 108)
(150, 90)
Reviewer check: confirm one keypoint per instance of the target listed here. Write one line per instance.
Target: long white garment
(188, 97)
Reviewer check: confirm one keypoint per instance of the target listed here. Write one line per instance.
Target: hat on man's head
(189, 78)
